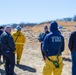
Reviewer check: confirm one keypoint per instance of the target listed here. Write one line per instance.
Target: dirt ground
(32, 62)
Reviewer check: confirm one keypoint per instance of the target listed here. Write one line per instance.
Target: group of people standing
(52, 46)
(9, 45)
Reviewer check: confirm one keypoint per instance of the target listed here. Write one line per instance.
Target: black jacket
(7, 42)
(1, 32)
(72, 41)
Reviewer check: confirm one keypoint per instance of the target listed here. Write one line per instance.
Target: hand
(44, 59)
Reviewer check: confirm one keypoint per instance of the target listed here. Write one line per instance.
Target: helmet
(18, 28)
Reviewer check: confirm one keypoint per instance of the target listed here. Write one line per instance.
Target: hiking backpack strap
(17, 36)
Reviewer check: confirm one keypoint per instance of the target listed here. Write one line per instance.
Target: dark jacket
(7, 42)
(42, 36)
(0, 40)
(72, 41)
(1, 32)
(53, 40)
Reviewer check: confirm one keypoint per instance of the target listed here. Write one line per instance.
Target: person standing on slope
(8, 48)
(53, 46)
(72, 48)
(19, 40)
(41, 38)
(1, 31)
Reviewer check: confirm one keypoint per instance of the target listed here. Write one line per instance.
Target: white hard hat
(18, 28)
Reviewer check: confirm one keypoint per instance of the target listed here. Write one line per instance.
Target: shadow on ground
(66, 59)
(26, 68)
(2, 72)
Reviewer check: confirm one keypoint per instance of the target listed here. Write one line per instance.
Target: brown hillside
(68, 25)
(31, 61)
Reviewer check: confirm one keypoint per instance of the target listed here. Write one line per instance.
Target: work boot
(17, 63)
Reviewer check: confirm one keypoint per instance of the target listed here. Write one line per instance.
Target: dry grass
(31, 62)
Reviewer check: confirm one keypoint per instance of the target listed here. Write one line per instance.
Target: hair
(1, 27)
(7, 27)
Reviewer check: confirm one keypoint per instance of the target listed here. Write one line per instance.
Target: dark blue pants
(42, 52)
(9, 63)
(73, 55)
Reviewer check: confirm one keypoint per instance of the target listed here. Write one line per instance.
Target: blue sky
(17, 11)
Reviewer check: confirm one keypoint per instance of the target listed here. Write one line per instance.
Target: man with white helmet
(19, 40)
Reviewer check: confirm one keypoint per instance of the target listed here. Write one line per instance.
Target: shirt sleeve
(11, 42)
(45, 45)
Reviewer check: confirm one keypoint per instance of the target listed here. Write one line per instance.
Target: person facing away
(1, 31)
(8, 48)
(19, 40)
(41, 38)
(53, 46)
(72, 48)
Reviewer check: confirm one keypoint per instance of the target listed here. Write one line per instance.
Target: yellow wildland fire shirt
(19, 38)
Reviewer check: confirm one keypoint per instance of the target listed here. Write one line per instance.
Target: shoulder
(42, 32)
(73, 33)
(4, 33)
(49, 34)
(14, 33)
(60, 35)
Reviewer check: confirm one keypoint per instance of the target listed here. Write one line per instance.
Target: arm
(45, 45)
(70, 44)
(63, 45)
(39, 38)
(11, 43)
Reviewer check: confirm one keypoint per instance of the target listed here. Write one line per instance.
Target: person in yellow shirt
(19, 40)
